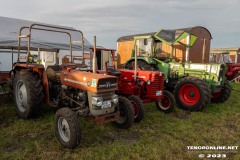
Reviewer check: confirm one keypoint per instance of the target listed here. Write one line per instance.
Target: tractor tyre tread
(140, 108)
(172, 103)
(124, 102)
(35, 95)
(205, 97)
(75, 130)
(226, 92)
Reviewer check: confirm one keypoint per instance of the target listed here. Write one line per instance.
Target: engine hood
(95, 83)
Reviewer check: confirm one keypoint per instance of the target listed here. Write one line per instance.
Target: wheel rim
(123, 113)
(216, 94)
(189, 94)
(135, 106)
(63, 129)
(237, 80)
(21, 96)
(165, 103)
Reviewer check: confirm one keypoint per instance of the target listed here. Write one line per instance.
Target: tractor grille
(157, 83)
(107, 83)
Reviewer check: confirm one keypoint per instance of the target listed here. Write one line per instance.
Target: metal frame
(45, 29)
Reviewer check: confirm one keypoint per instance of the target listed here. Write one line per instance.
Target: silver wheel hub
(63, 129)
(21, 96)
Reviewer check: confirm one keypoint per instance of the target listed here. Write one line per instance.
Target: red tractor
(233, 70)
(137, 85)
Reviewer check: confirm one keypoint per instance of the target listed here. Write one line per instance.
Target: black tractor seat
(114, 72)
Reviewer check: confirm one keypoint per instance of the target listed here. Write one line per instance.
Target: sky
(111, 19)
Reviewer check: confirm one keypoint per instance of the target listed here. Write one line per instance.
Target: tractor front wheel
(192, 94)
(126, 113)
(138, 107)
(67, 128)
(223, 94)
(168, 102)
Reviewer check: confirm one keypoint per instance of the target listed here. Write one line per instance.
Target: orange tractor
(77, 92)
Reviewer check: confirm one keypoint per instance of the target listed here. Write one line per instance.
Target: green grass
(158, 136)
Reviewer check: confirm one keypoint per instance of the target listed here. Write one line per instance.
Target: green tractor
(195, 85)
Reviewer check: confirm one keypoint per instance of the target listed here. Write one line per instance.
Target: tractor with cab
(195, 85)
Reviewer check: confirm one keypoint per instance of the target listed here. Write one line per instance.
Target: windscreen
(171, 37)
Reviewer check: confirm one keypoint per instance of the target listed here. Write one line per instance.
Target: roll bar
(50, 30)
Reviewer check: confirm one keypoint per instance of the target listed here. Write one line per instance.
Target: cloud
(110, 19)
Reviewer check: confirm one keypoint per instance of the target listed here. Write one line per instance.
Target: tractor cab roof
(224, 53)
(169, 36)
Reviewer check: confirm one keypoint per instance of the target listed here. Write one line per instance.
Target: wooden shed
(233, 51)
(198, 53)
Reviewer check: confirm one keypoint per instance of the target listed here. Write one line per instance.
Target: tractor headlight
(115, 98)
(158, 93)
(98, 101)
(148, 82)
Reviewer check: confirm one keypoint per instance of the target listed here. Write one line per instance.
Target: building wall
(199, 53)
(234, 52)
(124, 51)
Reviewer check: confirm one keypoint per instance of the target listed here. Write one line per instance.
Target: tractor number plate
(106, 104)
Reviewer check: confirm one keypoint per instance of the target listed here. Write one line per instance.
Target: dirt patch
(152, 127)
(111, 137)
(132, 138)
(232, 127)
(28, 136)
(128, 139)
(12, 148)
(2, 117)
(182, 115)
(6, 99)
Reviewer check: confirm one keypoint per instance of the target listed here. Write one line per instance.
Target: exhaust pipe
(94, 54)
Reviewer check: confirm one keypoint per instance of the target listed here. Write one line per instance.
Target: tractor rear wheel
(138, 107)
(168, 102)
(192, 94)
(126, 113)
(28, 94)
(222, 95)
(67, 128)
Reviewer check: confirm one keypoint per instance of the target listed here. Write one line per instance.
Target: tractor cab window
(104, 60)
(214, 58)
(158, 48)
(225, 58)
(144, 47)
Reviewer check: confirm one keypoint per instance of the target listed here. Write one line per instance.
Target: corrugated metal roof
(9, 30)
(227, 49)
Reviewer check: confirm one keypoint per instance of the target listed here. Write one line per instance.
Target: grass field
(158, 136)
